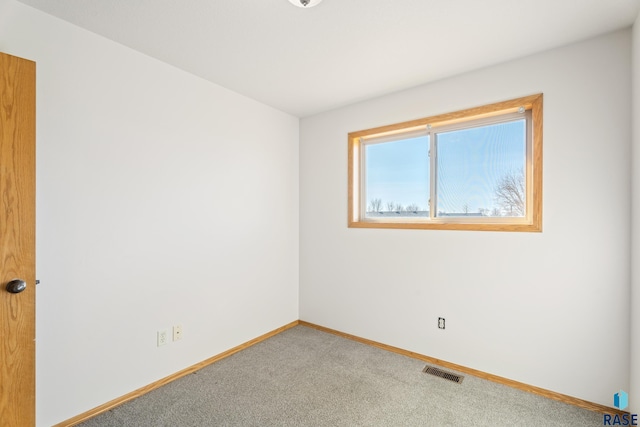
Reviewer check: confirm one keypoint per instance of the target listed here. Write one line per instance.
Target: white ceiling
(305, 61)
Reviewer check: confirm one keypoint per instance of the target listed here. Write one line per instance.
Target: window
(477, 169)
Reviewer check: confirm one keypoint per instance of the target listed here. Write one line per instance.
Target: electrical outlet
(177, 332)
(163, 337)
(441, 322)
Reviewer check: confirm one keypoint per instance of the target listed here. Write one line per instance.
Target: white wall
(162, 199)
(548, 309)
(634, 393)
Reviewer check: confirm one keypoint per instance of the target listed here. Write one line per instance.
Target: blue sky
(398, 171)
(470, 165)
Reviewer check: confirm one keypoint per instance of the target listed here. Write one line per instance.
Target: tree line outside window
(509, 196)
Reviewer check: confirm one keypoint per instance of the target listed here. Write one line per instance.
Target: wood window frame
(533, 217)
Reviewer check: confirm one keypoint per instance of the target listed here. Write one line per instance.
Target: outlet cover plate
(163, 337)
(177, 332)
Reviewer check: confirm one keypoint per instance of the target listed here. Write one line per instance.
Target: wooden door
(17, 241)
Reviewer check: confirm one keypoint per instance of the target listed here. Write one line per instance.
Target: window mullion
(432, 174)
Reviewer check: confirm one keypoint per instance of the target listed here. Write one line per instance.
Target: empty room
(321, 199)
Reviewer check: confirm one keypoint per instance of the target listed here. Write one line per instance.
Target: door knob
(16, 286)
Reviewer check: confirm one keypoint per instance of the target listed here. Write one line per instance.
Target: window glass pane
(481, 171)
(397, 178)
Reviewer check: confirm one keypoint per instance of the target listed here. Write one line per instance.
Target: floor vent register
(443, 374)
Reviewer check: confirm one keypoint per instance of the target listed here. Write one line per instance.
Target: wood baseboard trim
(146, 389)
(480, 374)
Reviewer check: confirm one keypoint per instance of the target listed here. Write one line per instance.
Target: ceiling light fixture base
(306, 4)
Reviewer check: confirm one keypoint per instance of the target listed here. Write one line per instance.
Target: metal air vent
(443, 374)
